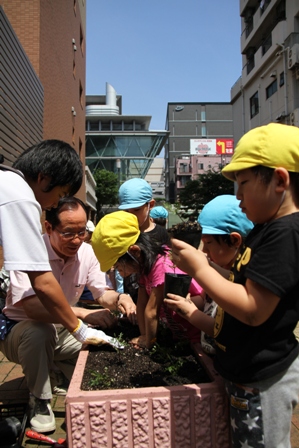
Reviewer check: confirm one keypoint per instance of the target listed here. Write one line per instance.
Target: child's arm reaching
(252, 304)
(151, 314)
(187, 309)
(140, 309)
(148, 308)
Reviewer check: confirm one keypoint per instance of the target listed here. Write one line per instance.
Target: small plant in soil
(169, 363)
(101, 379)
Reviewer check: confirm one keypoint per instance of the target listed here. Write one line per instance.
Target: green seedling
(163, 355)
(101, 379)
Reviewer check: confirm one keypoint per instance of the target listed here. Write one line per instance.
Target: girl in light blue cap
(224, 227)
(159, 215)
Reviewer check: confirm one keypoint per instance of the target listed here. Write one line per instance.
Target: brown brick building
(42, 85)
(52, 34)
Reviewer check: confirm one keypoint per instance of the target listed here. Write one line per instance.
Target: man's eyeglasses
(68, 236)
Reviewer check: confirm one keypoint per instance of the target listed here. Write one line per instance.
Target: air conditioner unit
(293, 56)
(294, 117)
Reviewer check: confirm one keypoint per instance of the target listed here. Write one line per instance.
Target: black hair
(66, 203)
(190, 232)
(225, 238)
(160, 221)
(265, 173)
(150, 248)
(53, 158)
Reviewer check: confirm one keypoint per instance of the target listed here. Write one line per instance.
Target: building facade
(268, 90)
(156, 177)
(196, 131)
(52, 35)
(119, 143)
(190, 167)
(21, 95)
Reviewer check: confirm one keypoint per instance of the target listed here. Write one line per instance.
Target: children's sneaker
(42, 418)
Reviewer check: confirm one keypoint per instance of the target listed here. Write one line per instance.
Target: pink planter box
(191, 416)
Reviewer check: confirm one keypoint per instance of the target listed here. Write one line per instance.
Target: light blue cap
(134, 193)
(222, 216)
(159, 212)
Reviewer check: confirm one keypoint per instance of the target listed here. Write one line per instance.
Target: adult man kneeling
(33, 341)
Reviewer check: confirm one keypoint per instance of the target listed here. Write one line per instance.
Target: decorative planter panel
(190, 416)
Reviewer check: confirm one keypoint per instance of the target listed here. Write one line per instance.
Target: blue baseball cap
(134, 193)
(159, 212)
(222, 216)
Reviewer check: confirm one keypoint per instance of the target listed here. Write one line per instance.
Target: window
(254, 105)
(267, 43)
(94, 126)
(271, 89)
(263, 5)
(81, 39)
(139, 127)
(184, 180)
(128, 126)
(281, 79)
(200, 166)
(105, 126)
(250, 62)
(249, 26)
(203, 130)
(81, 97)
(203, 115)
(184, 168)
(117, 126)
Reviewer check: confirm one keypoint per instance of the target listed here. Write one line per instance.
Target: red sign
(225, 146)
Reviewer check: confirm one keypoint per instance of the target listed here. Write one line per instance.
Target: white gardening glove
(88, 335)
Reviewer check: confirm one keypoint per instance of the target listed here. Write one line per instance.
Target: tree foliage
(199, 192)
(106, 189)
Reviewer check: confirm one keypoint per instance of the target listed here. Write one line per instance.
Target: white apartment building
(268, 90)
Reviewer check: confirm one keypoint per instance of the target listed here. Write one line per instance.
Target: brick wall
(46, 30)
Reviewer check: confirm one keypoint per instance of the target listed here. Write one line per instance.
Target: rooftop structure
(119, 143)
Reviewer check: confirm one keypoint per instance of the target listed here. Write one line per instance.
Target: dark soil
(169, 363)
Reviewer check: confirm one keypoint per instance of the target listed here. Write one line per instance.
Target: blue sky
(158, 51)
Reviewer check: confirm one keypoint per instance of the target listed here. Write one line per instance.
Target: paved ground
(13, 391)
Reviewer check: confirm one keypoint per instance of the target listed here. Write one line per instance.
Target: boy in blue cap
(256, 349)
(136, 197)
(224, 228)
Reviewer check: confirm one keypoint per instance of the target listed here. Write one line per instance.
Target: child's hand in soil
(140, 341)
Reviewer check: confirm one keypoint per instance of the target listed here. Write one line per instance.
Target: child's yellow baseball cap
(273, 145)
(113, 236)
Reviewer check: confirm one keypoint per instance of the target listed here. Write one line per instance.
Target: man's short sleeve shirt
(20, 227)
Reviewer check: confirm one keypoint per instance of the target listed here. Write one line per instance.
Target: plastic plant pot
(177, 284)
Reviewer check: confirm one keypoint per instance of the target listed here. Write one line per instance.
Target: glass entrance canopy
(130, 152)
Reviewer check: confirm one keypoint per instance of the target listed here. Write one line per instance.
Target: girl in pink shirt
(117, 242)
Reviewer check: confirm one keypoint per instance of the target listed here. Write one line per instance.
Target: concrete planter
(191, 416)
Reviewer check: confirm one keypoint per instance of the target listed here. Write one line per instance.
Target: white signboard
(203, 146)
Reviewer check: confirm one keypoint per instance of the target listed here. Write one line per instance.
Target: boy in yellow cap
(258, 307)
